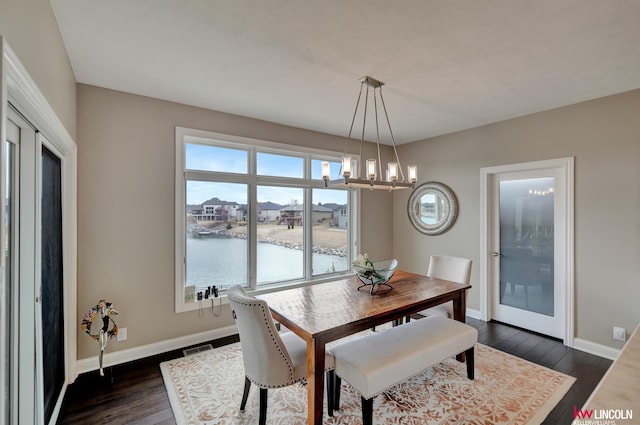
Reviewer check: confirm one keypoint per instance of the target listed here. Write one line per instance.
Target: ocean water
(223, 262)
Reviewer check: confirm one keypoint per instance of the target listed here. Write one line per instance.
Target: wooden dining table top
(337, 308)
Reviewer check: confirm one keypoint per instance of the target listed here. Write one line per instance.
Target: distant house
(340, 217)
(343, 217)
(268, 211)
(215, 210)
(320, 214)
(241, 213)
(292, 214)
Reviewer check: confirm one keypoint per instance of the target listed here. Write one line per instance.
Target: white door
(529, 255)
(8, 279)
(19, 229)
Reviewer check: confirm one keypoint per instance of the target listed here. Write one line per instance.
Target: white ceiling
(448, 65)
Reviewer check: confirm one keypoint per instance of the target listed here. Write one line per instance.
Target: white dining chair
(455, 269)
(271, 359)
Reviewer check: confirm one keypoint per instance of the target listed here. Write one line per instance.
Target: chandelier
(371, 177)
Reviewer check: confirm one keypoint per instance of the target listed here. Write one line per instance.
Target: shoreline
(331, 241)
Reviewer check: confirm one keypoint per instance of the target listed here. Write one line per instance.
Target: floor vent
(196, 350)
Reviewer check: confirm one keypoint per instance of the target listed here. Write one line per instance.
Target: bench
(376, 362)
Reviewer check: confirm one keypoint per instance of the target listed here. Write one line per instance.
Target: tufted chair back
(266, 360)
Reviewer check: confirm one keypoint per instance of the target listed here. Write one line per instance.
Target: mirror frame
(450, 202)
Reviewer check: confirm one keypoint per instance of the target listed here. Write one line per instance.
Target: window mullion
(307, 240)
(218, 177)
(252, 224)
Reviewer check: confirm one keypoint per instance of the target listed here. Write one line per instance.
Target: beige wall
(604, 137)
(126, 154)
(32, 32)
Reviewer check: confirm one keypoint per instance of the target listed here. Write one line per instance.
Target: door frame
(566, 166)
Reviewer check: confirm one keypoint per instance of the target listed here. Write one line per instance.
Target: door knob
(496, 254)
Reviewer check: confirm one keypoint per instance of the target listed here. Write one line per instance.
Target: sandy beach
(324, 237)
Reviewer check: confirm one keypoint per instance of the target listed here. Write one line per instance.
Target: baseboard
(474, 314)
(596, 349)
(579, 344)
(136, 353)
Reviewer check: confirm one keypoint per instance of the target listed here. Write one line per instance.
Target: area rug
(206, 388)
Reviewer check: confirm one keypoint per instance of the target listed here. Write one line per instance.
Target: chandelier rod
(393, 139)
(364, 125)
(375, 108)
(353, 120)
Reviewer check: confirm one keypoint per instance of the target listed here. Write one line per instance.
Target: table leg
(315, 381)
(459, 313)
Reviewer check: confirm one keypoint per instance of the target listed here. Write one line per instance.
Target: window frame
(184, 136)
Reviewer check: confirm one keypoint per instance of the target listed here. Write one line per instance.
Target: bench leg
(469, 359)
(367, 411)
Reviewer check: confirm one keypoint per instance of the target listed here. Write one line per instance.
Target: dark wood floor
(134, 393)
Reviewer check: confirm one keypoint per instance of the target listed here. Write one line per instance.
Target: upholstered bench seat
(376, 362)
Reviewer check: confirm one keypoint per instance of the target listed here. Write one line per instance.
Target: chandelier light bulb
(412, 171)
(392, 170)
(346, 166)
(326, 170)
(371, 169)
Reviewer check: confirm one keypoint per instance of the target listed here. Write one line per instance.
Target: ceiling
(447, 65)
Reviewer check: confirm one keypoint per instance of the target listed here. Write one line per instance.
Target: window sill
(264, 289)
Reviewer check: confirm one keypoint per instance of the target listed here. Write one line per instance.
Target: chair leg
(263, 407)
(397, 322)
(337, 386)
(407, 319)
(245, 394)
(367, 411)
(331, 383)
(469, 360)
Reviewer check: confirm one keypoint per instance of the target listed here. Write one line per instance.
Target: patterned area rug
(206, 388)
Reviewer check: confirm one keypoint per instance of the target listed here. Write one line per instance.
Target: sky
(213, 158)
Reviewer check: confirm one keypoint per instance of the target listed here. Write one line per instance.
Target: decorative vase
(372, 273)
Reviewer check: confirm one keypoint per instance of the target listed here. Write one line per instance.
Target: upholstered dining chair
(271, 359)
(455, 269)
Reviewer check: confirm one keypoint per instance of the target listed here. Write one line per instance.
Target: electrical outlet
(619, 334)
(122, 334)
(189, 294)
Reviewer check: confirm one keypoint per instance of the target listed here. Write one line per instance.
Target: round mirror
(432, 208)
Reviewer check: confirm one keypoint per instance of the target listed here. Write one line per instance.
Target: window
(257, 214)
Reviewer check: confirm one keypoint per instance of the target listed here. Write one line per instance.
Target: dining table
(324, 312)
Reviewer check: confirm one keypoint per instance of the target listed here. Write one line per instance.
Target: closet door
(52, 294)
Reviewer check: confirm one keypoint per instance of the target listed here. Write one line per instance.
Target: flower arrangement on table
(374, 272)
